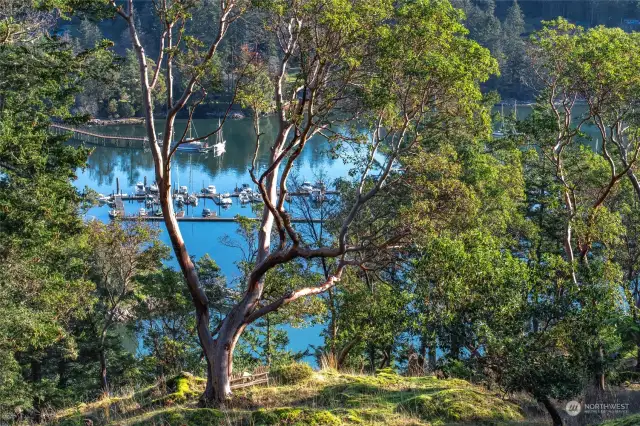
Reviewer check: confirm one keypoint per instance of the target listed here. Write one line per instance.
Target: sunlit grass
(327, 398)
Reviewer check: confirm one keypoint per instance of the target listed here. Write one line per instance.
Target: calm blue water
(130, 165)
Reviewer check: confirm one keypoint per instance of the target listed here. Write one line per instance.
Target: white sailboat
(220, 146)
(194, 146)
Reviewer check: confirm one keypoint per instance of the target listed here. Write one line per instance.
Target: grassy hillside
(327, 398)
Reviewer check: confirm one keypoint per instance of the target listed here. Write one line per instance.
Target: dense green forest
(464, 275)
(502, 27)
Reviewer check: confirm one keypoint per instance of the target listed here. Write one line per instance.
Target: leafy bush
(292, 373)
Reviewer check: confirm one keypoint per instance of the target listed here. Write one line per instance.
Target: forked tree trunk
(221, 361)
(162, 165)
(230, 331)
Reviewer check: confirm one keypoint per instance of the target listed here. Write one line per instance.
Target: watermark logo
(600, 408)
(573, 408)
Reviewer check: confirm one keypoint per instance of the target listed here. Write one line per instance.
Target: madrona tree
(373, 77)
(598, 68)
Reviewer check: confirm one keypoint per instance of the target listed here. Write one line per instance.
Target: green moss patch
(295, 417)
(183, 417)
(327, 398)
(183, 387)
(460, 405)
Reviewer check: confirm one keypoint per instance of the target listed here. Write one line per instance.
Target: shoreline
(115, 121)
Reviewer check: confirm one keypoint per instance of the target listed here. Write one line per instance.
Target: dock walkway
(207, 219)
(200, 195)
(101, 139)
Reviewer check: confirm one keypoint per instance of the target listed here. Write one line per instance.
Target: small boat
(183, 190)
(180, 214)
(220, 147)
(140, 189)
(142, 212)
(306, 187)
(196, 146)
(244, 198)
(103, 198)
(256, 197)
(320, 185)
(223, 199)
(179, 198)
(153, 188)
(211, 189)
(113, 213)
(192, 199)
(206, 213)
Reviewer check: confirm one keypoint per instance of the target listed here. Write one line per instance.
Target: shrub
(292, 373)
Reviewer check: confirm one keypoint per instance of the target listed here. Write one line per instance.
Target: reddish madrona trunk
(162, 161)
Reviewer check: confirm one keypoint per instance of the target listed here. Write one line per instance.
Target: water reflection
(131, 165)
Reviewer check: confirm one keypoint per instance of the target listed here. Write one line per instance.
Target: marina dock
(200, 195)
(100, 139)
(207, 219)
(144, 194)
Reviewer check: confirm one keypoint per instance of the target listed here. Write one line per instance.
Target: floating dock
(119, 205)
(100, 139)
(212, 196)
(206, 219)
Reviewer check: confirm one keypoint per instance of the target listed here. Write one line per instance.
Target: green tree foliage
(115, 92)
(42, 284)
(514, 72)
(120, 255)
(89, 34)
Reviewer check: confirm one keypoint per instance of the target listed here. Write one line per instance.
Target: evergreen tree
(89, 34)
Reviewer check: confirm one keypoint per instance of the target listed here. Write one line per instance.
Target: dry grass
(327, 398)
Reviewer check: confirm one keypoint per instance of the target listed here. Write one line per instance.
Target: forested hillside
(431, 261)
(503, 27)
